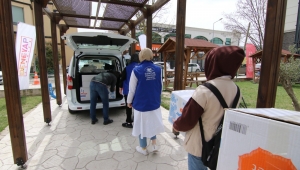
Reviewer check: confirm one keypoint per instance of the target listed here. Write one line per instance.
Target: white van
(92, 51)
(193, 67)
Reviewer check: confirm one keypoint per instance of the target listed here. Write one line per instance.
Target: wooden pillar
(149, 29)
(40, 37)
(11, 84)
(276, 10)
(55, 21)
(134, 37)
(179, 53)
(62, 31)
(165, 77)
(187, 55)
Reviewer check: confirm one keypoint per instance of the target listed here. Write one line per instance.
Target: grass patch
(165, 102)
(28, 103)
(249, 91)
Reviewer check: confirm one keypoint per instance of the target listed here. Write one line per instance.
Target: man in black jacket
(99, 87)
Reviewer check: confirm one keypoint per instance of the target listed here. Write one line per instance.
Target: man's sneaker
(153, 148)
(94, 121)
(141, 150)
(107, 121)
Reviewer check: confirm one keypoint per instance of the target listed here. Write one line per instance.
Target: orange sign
(260, 159)
(155, 47)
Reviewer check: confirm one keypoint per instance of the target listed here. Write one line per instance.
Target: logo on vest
(150, 74)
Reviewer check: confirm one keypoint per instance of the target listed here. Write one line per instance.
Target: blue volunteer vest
(149, 87)
(129, 69)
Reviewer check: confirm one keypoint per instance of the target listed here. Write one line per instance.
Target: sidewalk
(71, 142)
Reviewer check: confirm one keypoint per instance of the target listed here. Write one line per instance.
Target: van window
(90, 64)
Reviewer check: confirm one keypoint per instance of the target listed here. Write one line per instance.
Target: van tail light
(70, 82)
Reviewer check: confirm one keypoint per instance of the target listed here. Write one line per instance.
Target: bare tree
(157, 17)
(289, 74)
(249, 11)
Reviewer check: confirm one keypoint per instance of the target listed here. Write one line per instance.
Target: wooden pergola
(190, 46)
(257, 58)
(117, 16)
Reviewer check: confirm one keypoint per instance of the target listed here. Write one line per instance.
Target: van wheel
(71, 111)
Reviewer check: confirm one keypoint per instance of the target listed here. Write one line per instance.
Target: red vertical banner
(250, 49)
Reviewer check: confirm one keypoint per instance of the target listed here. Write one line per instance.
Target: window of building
(156, 38)
(18, 14)
(201, 38)
(228, 41)
(217, 41)
(169, 35)
(174, 35)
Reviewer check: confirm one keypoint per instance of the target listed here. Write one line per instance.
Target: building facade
(290, 24)
(161, 32)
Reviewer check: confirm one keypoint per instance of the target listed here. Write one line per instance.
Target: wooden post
(179, 53)
(149, 29)
(165, 70)
(40, 37)
(187, 60)
(55, 21)
(11, 84)
(271, 55)
(134, 37)
(63, 30)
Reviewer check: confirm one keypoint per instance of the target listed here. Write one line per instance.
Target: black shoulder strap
(220, 97)
(217, 93)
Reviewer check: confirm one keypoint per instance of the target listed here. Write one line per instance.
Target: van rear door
(98, 43)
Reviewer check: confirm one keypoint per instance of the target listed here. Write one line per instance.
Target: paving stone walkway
(71, 142)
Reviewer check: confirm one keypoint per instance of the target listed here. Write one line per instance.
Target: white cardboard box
(260, 139)
(86, 80)
(178, 100)
(85, 93)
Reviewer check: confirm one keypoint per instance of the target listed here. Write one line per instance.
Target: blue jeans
(195, 163)
(98, 89)
(143, 142)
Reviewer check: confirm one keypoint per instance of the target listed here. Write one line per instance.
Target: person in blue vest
(124, 87)
(145, 87)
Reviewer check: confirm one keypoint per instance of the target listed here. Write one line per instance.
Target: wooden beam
(180, 30)
(149, 29)
(39, 24)
(133, 51)
(43, 3)
(11, 85)
(91, 17)
(118, 2)
(55, 62)
(157, 5)
(76, 26)
(271, 55)
(62, 30)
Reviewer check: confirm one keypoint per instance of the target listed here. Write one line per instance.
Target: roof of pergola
(117, 16)
(193, 44)
(284, 53)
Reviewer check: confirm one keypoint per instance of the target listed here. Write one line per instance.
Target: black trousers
(129, 117)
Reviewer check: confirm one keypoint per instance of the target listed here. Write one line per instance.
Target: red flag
(250, 49)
